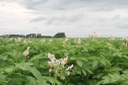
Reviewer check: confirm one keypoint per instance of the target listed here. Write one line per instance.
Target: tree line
(33, 35)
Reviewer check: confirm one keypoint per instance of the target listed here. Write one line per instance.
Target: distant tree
(46, 36)
(38, 36)
(15, 36)
(31, 36)
(60, 35)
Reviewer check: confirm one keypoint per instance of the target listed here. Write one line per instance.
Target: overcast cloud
(77, 18)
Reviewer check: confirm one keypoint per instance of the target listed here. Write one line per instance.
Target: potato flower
(64, 61)
(52, 63)
(70, 67)
(51, 57)
(59, 67)
(79, 41)
(26, 52)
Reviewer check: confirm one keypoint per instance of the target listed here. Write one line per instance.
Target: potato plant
(88, 61)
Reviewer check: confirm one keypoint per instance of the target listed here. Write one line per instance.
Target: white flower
(79, 41)
(18, 39)
(51, 57)
(58, 62)
(50, 70)
(64, 61)
(66, 40)
(93, 35)
(70, 67)
(68, 73)
(43, 40)
(26, 52)
(52, 63)
(51, 40)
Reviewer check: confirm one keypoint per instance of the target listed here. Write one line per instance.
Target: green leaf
(84, 72)
(2, 79)
(79, 63)
(31, 80)
(52, 80)
(79, 58)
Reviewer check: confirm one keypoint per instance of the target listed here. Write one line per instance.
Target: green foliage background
(96, 61)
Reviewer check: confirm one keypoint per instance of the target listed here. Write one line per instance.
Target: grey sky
(77, 18)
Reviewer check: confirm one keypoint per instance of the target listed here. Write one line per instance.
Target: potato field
(56, 61)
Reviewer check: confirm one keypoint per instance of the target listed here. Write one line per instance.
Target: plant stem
(55, 77)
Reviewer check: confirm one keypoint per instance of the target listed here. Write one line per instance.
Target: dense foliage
(95, 61)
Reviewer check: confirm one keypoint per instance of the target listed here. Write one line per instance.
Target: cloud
(60, 19)
(77, 18)
(73, 4)
(38, 19)
(123, 25)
